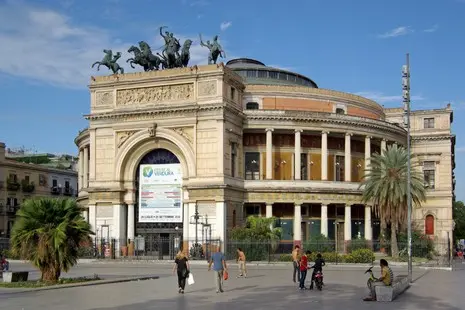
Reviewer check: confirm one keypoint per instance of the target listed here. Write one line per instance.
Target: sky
(48, 46)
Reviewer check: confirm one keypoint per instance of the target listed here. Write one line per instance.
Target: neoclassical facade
(250, 140)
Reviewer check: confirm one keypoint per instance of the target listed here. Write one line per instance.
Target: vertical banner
(160, 197)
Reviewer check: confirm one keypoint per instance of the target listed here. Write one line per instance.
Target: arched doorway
(161, 237)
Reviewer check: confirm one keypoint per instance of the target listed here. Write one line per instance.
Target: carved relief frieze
(103, 99)
(123, 136)
(207, 88)
(154, 95)
(186, 133)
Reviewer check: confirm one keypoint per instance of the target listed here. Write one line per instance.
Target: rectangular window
(233, 159)
(252, 166)
(26, 179)
(233, 93)
(66, 184)
(13, 177)
(339, 168)
(55, 183)
(273, 75)
(428, 122)
(251, 73)
(254, 210)
(429, 174)
(282, 76)
(303, 166)
(262, 74)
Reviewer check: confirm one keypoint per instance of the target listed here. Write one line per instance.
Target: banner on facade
(160, 194)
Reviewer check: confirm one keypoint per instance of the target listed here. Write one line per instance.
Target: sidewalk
(249, 264)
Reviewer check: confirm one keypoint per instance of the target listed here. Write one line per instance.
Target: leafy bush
(285, 258)
(360, 256)
(196, 251)
(254, 251)
(357, 244)
(422, 245)
(9, 254)
(320, 243)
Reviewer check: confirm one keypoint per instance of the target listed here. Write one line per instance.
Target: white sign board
(160, 197)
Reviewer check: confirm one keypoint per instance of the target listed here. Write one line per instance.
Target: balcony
(68, 191)
(12, 185)
(302, 186)
(28, 187)
(55, 190)
(11, 209)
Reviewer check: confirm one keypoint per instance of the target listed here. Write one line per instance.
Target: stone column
(297, 151)
(347, 223)
(324, 220)
(324, 156)
(367, 151)
(348, 159)
(383, 146)
(269, 153)
(297, 224)
(368, 228)
(85, 181)
(185, 228)
(93, 218)
(220, 224)
(81, 169)
(269, 210)
(131, 222)
(85, 215)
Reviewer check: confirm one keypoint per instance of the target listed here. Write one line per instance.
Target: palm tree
(385, 188)
(48, 233)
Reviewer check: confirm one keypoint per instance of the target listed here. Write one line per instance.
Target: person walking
(181, 264)
(219, 266)
(241, 263)
(296, 263)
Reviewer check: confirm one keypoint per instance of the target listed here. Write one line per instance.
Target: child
(318, 266)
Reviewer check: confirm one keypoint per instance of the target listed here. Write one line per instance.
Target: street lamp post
(196, 220)
(406, 100)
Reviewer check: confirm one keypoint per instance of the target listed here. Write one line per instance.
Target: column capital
(269, 129)
(298, 130)
(348, 205)
(384, 139)
(298, 204)
(349, 134)
(369, 137)
(325, 132)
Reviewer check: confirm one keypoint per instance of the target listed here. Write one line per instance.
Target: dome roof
(256, 72)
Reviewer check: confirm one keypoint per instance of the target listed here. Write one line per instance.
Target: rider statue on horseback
(215, 49)
(171, 48)
(110, 61)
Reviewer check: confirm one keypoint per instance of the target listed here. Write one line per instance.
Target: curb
(5, 291)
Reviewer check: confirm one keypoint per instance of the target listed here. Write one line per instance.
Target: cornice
(32, 167)
(165, 75)
(433, 138)
(82, 136)
(321, 117)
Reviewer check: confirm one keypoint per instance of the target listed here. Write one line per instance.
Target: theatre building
(229, 141)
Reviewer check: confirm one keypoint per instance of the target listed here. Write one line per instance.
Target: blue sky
(47, 47)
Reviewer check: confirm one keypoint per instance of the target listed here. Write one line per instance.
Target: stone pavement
(265, 288)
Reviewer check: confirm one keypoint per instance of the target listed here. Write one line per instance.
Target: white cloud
(46, 46)
(396, 32)
(225, 25)
(382, 98)
(434, 28)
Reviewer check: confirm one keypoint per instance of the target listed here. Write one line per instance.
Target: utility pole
(406, 100)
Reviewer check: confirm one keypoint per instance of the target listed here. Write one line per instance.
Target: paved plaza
(267, 287)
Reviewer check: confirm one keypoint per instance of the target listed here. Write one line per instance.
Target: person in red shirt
(303, 269)
(4, 264)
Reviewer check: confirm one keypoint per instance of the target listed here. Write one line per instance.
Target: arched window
(429, 225)
(251, 106)
(340, 111)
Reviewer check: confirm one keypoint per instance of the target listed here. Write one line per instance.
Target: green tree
(385, 188)
(459, 218)
(48, 233)
(258, 239)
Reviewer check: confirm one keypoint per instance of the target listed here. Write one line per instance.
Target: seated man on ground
(385, 280)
